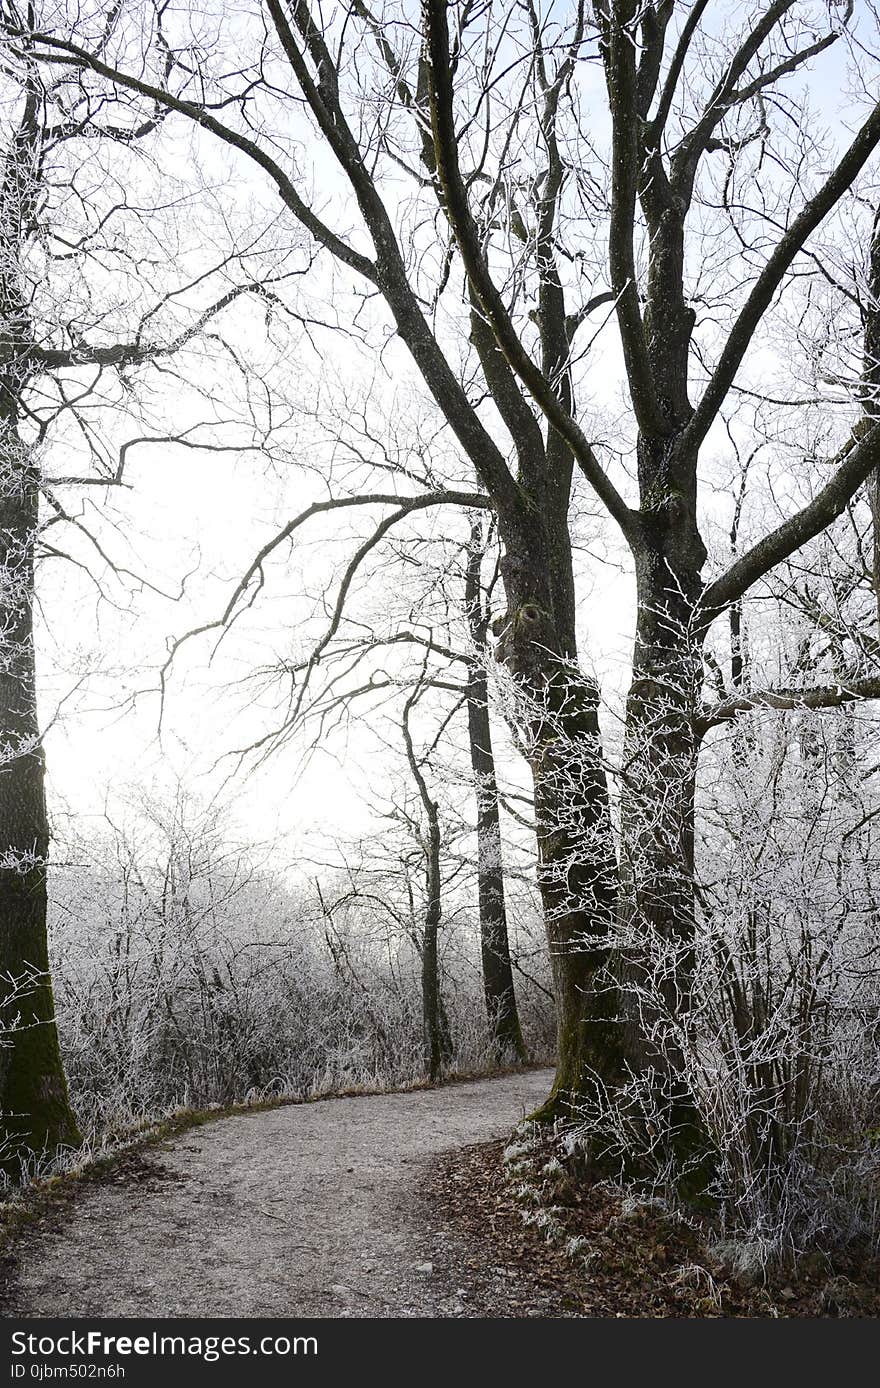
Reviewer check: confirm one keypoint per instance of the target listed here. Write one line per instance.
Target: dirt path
(308, 1210)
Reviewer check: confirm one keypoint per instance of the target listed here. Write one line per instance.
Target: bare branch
(857, 460)
(461, 220)
(770, 278)
(827, 696)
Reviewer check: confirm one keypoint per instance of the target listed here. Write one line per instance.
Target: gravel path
(308, 1210)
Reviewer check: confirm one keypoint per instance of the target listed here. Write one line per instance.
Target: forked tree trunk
(501, 1009)
(36, 1112)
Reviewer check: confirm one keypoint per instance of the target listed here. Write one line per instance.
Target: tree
(660, 208)
(450, 633)
(407, 587)
(431, 1000)
(494, 942)
(84, 308)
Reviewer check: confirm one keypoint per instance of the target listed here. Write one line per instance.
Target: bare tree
(431, 1000)
(82, 313)
(666, 216)
(450, 634)
(410, 611)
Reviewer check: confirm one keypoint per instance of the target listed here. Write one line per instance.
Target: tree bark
(661, 746)
(36, 1112)
(577, 866)
(660, 751)
(578, 881)
(431, 1003)
(871, 393)
(501, 1009)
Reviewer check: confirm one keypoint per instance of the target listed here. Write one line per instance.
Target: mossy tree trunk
(34, 1102)
(35, 1112)
(577, 866)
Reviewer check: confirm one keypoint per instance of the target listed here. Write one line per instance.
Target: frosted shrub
(186, 977)
(773, 1029)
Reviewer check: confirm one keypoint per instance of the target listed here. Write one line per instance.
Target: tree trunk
(432, 1010)
(577, 867)
(874, 498)
(434, 1022)
(871, 394)
(657, 818)
(501, 1009)
(657, 802)
(577, 875)
(36, 1112)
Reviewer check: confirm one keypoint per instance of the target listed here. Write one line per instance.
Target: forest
(440, 581)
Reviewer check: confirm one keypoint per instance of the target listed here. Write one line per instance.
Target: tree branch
(387, 272)
(857, 460)
(63, 51)
(770, 278)
(135, 353)
(627, 157)
(405, 506)
(827, 696)
(667, 94)
(461, 220)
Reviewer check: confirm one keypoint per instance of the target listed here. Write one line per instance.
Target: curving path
(309, 1210)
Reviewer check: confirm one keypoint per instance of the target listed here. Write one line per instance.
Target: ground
(633, 1259)
(307, 1210)
(379, 1206)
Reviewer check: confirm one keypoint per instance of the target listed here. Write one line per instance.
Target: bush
(187, 976)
